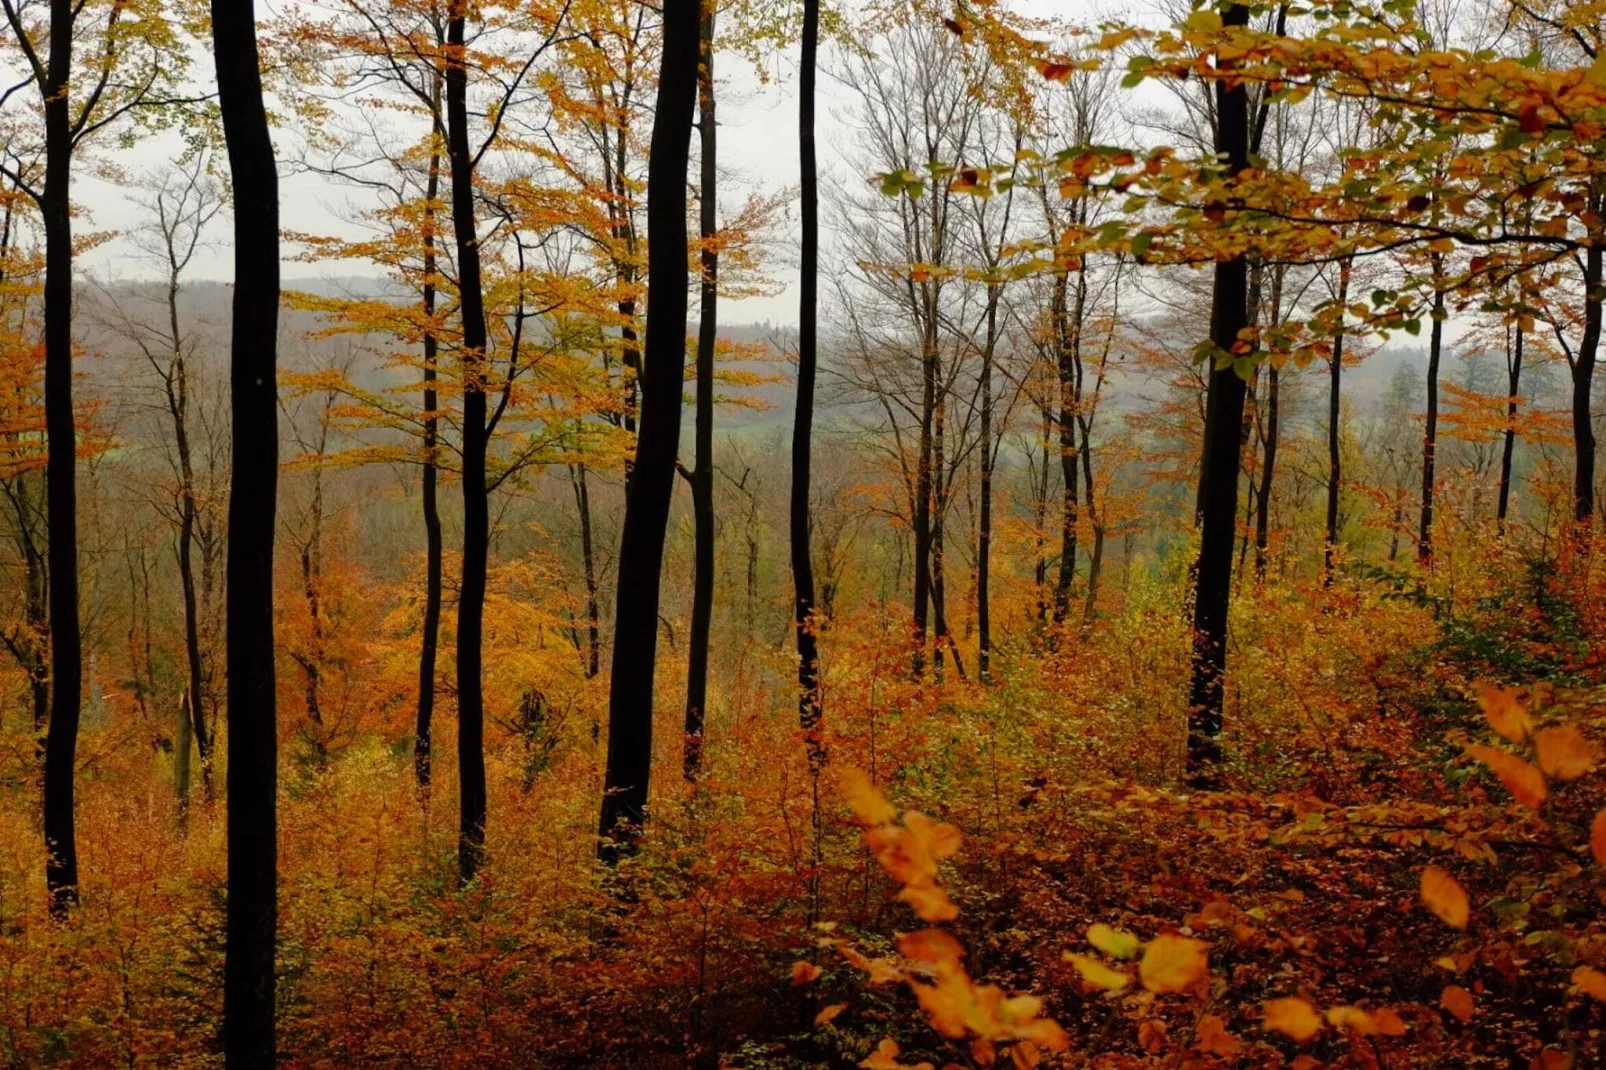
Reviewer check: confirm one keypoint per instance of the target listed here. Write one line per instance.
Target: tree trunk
(183, 743)
(476, 508)
(61, 495)
(641, 544)
(1268, 470)
(923, 480)
(1430, 433)
(582, 504)
(1583, 385)
(808, 653)
(1513, 384)
(423, 754)
(1067, 343)
(984, 534)
(702, 476)
(1218, 480)
(1335, 472)
(253, 771)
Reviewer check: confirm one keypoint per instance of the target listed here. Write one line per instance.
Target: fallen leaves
(1113, 942)
(1096, 973)
(1591, 982)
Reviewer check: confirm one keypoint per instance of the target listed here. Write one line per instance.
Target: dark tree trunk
(1218, 479)
(808, 652)
(922, 518)
(476, 508)
(1430, 433)
(1095, 558)
(61, 494)
(588, 560)
(1513, 384)
(647, 497)
(1067, 344)
(702, 476)
(1335, 472)
(984, 534)
(1268, 470)
(253, 773)
(423, 754)
(1583, 385)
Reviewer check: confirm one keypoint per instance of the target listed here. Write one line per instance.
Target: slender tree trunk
(808, 653)
(1268, 470)
(1218, 480)
(253, 771)
(984, 534)
(1040, 516)
(1430, 434)
(183, 743)
(702, 476)
(61, 494)
(1335, 472)
(429, 642)
(1583, 385)
(641, 544)
(1067, 339)
(582, 504)
(1095, 559)
(923, 489)
(1508, 448)
(476, 507)
(189, 508)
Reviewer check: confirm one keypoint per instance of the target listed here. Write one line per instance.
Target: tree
(808, 650)
(641, 543)
(128, 56)
(253, 772)
(1218, 470)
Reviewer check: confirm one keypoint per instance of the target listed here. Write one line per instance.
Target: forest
(1141, 603)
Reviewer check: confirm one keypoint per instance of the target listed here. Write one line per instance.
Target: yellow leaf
(1352, 1018)
(1526, 784)
(930, 902)
(1597, 837)
(804, 972)
(864, 799)
(1214, 1039)
(1504, 712)
(1204, 21)
(829, 1012)
(1113, 942)
(1443, 895)
(1096, 973)
(1458, 1001)
(1293, 1017)
(1173, 963)
(1563, 752)
(1591, 982)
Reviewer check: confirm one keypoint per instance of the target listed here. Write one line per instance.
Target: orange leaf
(1597, 837)
(804, 972)
(1389, 1022)
(829, 1012)
(1526, 784)
(1096, 973)
(864, 799)
(1563, 752)
(1293, 1017)
(1458, 1001)
(1173, 963)
(1504, 712)
(1054, 72)
(1443, 895)
(1591, 982)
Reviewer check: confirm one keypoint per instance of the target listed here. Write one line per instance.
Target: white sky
(757, 149)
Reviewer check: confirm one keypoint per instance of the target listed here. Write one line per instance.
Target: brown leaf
(1458, 1001)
